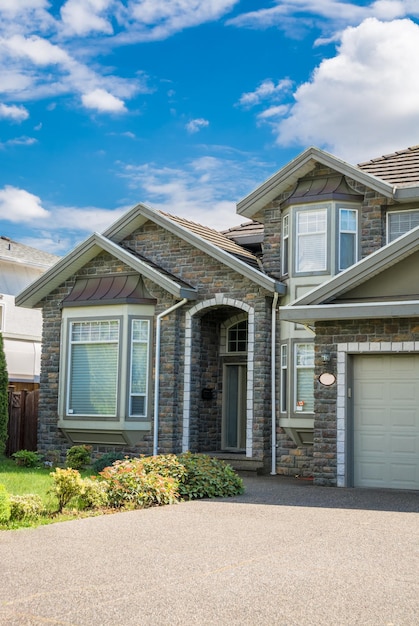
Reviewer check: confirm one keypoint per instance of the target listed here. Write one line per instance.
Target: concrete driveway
(285, 553)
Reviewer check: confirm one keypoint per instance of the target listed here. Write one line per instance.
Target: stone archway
(203, 328)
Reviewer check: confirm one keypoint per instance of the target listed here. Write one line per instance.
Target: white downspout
(273, 382)
(157, 372)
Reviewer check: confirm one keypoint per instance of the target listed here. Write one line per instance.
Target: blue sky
(188, 105)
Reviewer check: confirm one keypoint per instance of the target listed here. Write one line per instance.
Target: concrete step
(239, 462)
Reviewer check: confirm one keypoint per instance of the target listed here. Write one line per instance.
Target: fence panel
(23, 421)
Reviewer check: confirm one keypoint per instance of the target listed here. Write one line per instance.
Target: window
(304, 377)
(284, 378)
(347, 237)
(285, 244)
(399, 223)
(237, 337)
(93, 368)
(139, 368)
(97, 358)
(311, 240)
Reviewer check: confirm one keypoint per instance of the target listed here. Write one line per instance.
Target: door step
(239, 462)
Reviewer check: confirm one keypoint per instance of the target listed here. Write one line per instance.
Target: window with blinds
(304, 377)
(93, 368)
(140, 333)
(348, 237)
(400, 222)
(311, 240)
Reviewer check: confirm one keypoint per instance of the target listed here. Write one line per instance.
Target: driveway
(285, 553)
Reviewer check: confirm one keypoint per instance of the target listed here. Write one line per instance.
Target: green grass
(36, 480)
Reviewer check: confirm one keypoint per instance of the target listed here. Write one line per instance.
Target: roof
(15, 252)
(304, 163)
(215, 237)
(399, 168)
(109, 289)
(246, 234)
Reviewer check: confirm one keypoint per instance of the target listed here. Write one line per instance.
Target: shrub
(208, 477)
(67, 484)
(4, 505)
(25, 507)
(106, 460)
(165, 465)
(78, 457)
(131, 486)
(26, 458)
(94, 494)
(51, 458)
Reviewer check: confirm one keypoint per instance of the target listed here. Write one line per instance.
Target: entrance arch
(231, 308)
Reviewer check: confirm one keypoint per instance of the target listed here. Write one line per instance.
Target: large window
(304, 377)
(348, 237)
(400, 222)
(311, 240)
(103, 368)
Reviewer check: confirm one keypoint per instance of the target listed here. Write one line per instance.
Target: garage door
(386, 421)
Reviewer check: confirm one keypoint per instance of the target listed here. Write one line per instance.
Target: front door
(234, 413)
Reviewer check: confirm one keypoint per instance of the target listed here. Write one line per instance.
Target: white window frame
(342, 231)
(285, 248)
(398, 213)
(283, 401)
(145, 393)
(298, 408)
(125, 313)
(305, 211)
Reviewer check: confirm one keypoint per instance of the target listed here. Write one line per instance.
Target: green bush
(94, 494)
(67, 484)
(4, 505)
(26, 458)
(25, 507)
(165, 465)
(78, 457)
(208, 477)
(131, 486)
(106, 460)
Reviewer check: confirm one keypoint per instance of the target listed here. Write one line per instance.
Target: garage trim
(344, 468)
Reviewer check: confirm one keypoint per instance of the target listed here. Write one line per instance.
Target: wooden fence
(23, 421)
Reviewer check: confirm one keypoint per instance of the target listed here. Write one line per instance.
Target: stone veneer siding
(342, 339)
(214, 281)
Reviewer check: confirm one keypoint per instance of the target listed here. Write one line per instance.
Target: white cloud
(83, 16)
(13, 112)
(204, 190)
(196, 125)
(36, 49)
(267, 90)
(329, 14)
(19, 141)
(366, 95)
(103, 101)
(18, 205)
(150, 20)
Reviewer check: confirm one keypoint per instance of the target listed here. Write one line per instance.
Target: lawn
(35, 480)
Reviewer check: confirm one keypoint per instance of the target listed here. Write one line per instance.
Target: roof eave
(81, 255)
(141, 212)
(297, 168)
(330, 312)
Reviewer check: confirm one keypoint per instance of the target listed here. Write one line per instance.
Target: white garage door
(386, 421)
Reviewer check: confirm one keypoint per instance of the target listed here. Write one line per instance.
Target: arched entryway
(218, 391)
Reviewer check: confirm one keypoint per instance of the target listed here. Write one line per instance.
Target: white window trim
(389, 213)
(283, 399)
(351, 232)
(285, 247)
(144, 395)
(125, 313)
(296, 367)
(314, 208)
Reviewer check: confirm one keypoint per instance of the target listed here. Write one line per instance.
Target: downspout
(157, 372)
(273, 382)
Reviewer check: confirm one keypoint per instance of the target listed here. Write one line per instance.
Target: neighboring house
(290, 343)
(21, 328)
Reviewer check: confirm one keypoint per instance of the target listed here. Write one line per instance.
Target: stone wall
(328, 335)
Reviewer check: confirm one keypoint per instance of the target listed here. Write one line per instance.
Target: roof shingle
(399, 168)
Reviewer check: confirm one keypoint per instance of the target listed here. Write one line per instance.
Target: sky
(189, 105)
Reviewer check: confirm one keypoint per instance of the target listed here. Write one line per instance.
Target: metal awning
(109, 289)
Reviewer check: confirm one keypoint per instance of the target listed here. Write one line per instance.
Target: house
(21, 328)
(289, 344)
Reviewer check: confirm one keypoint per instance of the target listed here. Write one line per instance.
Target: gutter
(273, 382)
(157, 372)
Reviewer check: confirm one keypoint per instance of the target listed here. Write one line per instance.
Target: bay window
(304, 377)
(311, 240)
(348, 237)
